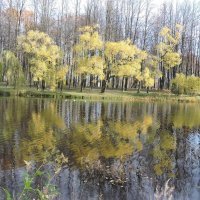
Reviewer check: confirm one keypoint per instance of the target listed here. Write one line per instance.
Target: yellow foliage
(120, 50)
(89, 40)
(93, 65)
(10, 65)
(149, 81)
(43, 54)
(166, 48)
(125, 58)
(61, 73)
(185, 85)
(171, 59)
(87, 51)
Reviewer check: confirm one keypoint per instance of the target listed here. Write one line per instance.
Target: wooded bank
(112, 44)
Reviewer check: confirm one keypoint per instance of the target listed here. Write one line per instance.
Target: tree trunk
(162, 80)
(117, 83)
(38, 85)
(43, 85)
(91, 81)
(61, 86)
(139, 87)
(113, 82)
(168, 79)
(103, 89)
(123, 84)
(147, 90)
(82, 84)
(126, 83)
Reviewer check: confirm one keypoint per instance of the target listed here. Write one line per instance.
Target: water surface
(114, 150)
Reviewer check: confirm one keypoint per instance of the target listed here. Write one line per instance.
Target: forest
(99, 99)
(115, 44)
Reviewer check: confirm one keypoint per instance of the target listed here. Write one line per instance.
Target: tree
(167, 52)
(61, 76)
(11, 68)
(123, 60)
(88, 54)
(185, 85)
(44, 57)
(149, 72)
(1, 72)
(118, 20)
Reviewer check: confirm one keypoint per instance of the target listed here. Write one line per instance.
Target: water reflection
(88, 143)
(115, 150)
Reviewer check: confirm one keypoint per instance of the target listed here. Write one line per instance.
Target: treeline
(137, 44)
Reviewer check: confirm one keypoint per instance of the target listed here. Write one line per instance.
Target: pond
(114, 151)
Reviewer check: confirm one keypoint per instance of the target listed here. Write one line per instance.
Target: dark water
(131, 151)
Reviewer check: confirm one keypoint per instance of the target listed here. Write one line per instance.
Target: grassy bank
(109, 95)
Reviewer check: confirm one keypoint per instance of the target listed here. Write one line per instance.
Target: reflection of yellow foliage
(40, 133)
(95, 132)
(119, 151)
(162, 153)
(148, 121)
(117, 140)
(52, 118)
(35, 131)
(168, 142)
(187, 115)
(13, 115)
(129, 131)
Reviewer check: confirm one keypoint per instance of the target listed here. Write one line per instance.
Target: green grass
(109, 95)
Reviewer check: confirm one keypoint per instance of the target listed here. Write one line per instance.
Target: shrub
(185, 85)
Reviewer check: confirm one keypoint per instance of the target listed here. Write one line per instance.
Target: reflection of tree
(165, 141)
(40, 136)
(186, 115)
(12, 114)
(101, 149)
(145, 149)
(28, 129)
(162, 153)
(90, 142)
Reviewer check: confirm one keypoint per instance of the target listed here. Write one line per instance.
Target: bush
(185, 85)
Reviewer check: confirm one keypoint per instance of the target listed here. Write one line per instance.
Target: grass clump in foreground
(109, 95)
(45, 191)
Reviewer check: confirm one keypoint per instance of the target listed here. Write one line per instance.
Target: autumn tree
(140, 21)
(1, 72)
(169, 57)
(11, 69)
(61, 76)
(123, 60)
(183, 84)
(44, 58)
(149, 72)
(89, 55)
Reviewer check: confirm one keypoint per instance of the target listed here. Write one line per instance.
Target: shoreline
(109, 95)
